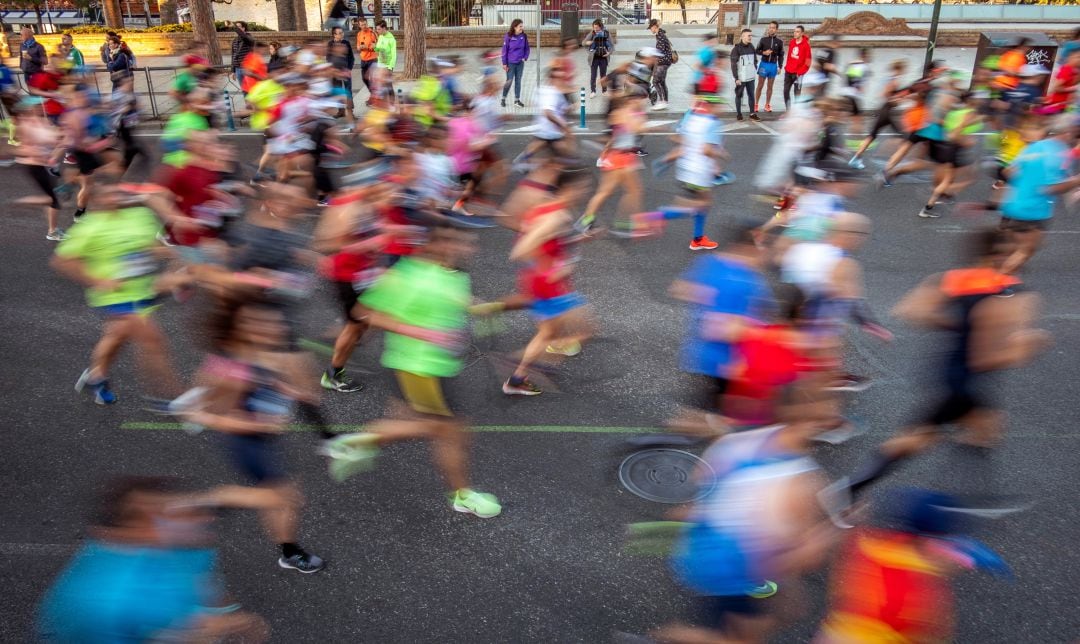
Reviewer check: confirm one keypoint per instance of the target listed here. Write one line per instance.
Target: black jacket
(349, 58)
(36, 60)
(241, 47)
(776, 45)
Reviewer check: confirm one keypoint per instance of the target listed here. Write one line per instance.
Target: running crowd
(388, 205)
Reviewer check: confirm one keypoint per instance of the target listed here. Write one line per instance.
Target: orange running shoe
(755, 108)
(768, 107)
(703, 243)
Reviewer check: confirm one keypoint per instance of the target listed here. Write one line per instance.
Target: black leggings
(789, 80)
(884, 120)
(40, 175)
(598, 64)
(659, 81)
(131, 148)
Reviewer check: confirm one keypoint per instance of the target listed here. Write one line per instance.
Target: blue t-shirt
(112, 593)
(1038, 166)
(731, 287)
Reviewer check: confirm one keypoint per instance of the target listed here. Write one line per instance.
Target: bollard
(399, 95)
(229, 123)
(583, 108)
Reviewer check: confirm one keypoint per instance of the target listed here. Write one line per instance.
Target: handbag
(674, 56)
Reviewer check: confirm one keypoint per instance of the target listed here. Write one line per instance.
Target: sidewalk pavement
(161, 71)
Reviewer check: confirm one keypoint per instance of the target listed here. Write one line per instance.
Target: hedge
(167, 29)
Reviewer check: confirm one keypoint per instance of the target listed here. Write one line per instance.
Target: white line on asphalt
(767, 128)
(21, 549)
(527, 128)
(958, 229)
(727, 129)
(652, 124)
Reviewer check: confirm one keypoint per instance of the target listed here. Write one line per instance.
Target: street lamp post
(931, 41)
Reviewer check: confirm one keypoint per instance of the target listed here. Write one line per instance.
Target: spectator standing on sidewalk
(32, 58)
(666, 60)
(241, 47)
(744, 64)
(798, 63)
(365, 46)
(515, 51)
(600, 47)
(770, 50)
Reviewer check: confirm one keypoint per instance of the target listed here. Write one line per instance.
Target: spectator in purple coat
(515, 51)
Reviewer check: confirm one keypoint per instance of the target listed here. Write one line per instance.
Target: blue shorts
(767, 70)
(256, 456)
(555, 306)
(129, 308)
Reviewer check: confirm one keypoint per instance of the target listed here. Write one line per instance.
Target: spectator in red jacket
(797, 64)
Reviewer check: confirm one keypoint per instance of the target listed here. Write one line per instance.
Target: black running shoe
(302, 562)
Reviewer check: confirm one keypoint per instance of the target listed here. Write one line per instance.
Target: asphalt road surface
(403, 567)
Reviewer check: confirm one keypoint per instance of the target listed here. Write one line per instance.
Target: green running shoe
(765, 589)
(481, 504)
(350, 454)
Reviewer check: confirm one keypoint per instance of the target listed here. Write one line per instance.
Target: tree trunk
(286, 16)
(114, 17)
(202, 26)
(300, 9)
(682, 7)
(412, 23)
(167, 9)
(378, 11)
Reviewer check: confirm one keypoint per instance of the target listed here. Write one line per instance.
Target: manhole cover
(662, 475)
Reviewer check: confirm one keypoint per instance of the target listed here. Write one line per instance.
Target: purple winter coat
(515, 49)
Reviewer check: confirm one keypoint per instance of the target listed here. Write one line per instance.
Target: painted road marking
(505, 429)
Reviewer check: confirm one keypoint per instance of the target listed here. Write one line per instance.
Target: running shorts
(138, 307)
(767, 70)
(964, 155)
(1023, 225)
(424, 394)
(347, 296)
(716, 612)
(693, 191)
(553, 307)
(853, 105)
(87, 162)
(915, 138)
(257, 456)
(705, 392)
(941, 152)
(619, 160)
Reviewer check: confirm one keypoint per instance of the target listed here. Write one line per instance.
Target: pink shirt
(463, 133)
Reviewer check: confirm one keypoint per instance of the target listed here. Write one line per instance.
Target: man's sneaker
(502, 102)
(881, 180)
(850, 382)
(350, 454)
(340, 381)
(481, 504)
(839, 435)
(569, 349)
(323, 202)
(835, 499)
(304, 562)
(520, 388)
(703, 243)
(102, 394)
(768, 107)
(70, 159)
(764, 589)
(592, 94)
(519, 103)
(754, 116)
(660, 106)
(641, 152)
(928, 214)
(724, 178)
(857, 163)
(738, 117)
(56, 235)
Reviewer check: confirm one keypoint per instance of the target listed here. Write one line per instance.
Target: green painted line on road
(505, 429)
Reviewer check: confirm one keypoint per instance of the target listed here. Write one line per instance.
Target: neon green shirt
(175, 136)
(184, 83)
(386, 49)
(116, 246)
(424, 294)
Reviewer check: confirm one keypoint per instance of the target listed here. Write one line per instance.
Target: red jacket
(798, 56)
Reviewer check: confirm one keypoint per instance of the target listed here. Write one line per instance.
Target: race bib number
(137, 265)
